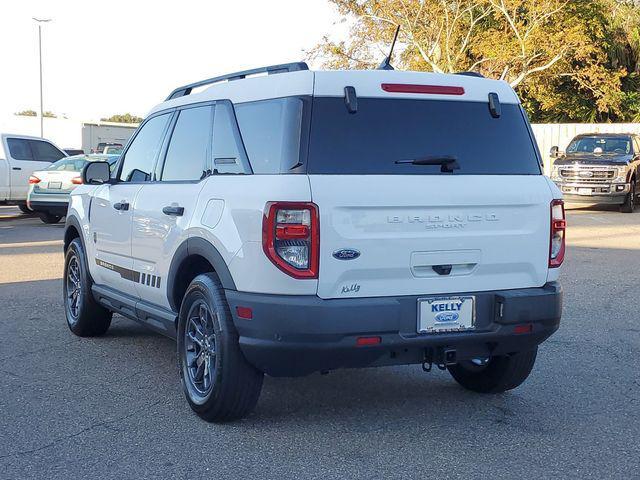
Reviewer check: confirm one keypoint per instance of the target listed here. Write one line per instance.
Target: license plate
(55, 185)
(446, 314)
(584, 191)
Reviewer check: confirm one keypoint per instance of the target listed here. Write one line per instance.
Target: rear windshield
(384, 131)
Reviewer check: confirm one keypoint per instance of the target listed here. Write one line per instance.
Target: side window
(141, 155)
(636, 145)
(19, 149)
(45, 152)
(187, 153)
(228, 152)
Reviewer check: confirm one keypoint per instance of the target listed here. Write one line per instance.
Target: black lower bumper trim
(297, 335)
(54, 208)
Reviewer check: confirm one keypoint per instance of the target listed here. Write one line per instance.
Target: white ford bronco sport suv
(298, 221)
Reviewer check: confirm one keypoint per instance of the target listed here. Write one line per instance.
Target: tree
(123, 118)
(27, 113)
(568, 60)
(49, 115)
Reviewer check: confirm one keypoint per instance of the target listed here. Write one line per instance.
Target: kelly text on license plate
(446, 314)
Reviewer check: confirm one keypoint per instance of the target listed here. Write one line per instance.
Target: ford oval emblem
(346, 254)
(447, 317)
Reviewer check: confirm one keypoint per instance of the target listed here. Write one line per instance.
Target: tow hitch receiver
(441, 357)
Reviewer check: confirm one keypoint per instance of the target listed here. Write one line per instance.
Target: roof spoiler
(471, 74)
(270, 70)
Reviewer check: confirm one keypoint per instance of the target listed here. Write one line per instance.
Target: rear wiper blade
(447, 163)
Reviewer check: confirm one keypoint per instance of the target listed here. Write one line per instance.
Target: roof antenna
(386, 63)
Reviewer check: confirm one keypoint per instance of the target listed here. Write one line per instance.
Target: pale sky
(114, 56)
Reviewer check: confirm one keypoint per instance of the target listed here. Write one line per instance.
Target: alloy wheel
(200, 348)
(74, 287)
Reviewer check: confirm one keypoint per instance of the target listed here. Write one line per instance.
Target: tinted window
(19, 149)
(45, 152)
(228, 153)
(187, 153)
(141, 155)
(383, 131)
(600, 144)
(271, 133)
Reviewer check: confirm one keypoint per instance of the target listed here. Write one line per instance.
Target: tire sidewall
(76, 249)
(199, 290)
(48, 218)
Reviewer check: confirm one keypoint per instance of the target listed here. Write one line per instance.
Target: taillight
(76, 180)
(558, 229)
(291, 237)
(33, 179)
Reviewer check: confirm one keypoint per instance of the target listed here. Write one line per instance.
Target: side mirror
(96, 173)
(554, 152)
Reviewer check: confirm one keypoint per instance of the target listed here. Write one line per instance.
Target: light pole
(40, 22)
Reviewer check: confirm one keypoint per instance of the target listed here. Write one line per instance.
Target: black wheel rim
(200, 348)
(74, 287)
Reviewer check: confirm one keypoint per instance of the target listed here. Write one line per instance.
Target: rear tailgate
(424, 186)
(56, 182)
(492, 231)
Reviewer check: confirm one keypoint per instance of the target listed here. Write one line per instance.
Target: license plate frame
(54, 185)
(447, 318)
(585, 191)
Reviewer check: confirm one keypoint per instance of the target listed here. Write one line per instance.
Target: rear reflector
(364, 341)
(429, 89)
(244, 312)
(522, 329)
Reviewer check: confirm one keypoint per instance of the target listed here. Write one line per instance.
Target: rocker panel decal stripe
(132, 275)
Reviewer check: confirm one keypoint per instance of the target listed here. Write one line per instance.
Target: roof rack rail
(270, 70)
(471, 74)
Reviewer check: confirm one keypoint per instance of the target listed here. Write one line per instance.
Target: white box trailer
(94, 133)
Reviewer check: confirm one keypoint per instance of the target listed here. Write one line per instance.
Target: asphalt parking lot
(112, 407)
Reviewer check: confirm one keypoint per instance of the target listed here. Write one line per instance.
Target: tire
(500, 374)
(49, 218)
(219, 383)
(24, 209)
(629, 204)
(85, 317)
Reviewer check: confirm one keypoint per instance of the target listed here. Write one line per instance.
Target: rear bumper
(52, 207)
(298, 335)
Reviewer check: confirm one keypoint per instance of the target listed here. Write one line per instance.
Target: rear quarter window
(271, 131)
(384, 131)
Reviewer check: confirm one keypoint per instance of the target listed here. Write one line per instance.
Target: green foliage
(570, 61)
(123, 118)
(27, 113)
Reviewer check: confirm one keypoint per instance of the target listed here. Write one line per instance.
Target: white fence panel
(560, 134)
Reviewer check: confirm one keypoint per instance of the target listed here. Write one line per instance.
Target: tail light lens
(558, 229)
(76, 180)
(33, 179)
(291, 238)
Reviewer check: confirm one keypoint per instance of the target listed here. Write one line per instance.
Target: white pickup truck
(20, 156)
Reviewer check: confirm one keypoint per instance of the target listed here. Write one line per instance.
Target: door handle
(442, 269)
(173, 210)
(121, 206)
(16, 168)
